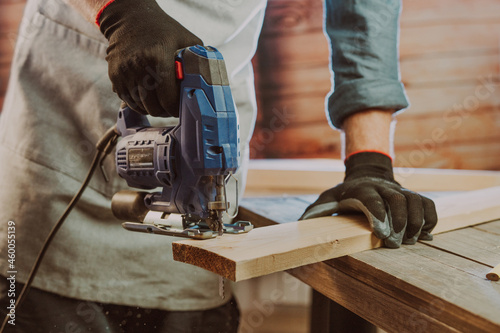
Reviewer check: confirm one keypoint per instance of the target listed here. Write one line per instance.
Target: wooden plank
(4, 78)
(11, 14)
(492, 227)
(299, 109)
(470, 243)
(449, 128)
(420, 13)
(275, 248)
(307, 140)
(447, 69)
(7, 44)
(449, 38)
(468, 208)
(316, 175)
(258, 253)
(368, 302)
(449, 288)
(449, 99)
(465, 155)
(308, 49)
(289, 81)
(292, 16)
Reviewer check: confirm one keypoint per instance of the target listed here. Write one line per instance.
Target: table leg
(328, 316)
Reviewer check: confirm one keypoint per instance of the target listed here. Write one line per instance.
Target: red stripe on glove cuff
(368, 151)
(98, 16)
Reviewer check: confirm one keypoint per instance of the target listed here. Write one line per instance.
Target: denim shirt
(364, 42)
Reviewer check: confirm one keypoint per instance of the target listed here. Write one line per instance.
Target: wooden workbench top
(436, 286)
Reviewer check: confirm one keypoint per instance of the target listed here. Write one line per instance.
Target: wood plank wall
(10, 17)
(449, 62)
(449, 52)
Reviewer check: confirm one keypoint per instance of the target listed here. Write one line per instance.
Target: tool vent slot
(121, 158)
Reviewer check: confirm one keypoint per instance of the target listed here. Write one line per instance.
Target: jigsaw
(192, 162)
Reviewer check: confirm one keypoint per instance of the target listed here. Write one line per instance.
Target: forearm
(364, 40)
(368, 130)
(88, 8)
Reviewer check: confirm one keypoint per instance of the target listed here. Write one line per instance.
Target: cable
(103, 147)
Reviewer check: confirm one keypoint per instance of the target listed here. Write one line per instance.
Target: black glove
(143, 40)
(396, 214)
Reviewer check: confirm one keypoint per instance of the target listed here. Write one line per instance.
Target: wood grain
(445, 11)
(10, 17)
(456, 141)
(11, 13)
(292, 17)
(369, 302)
(446, 39)
(471, 243)
(449, 64)
(316, 175)
(448, 288)
(279, 247)
(269, 249)
(493, 227)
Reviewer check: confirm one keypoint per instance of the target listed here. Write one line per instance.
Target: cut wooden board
(279, 247)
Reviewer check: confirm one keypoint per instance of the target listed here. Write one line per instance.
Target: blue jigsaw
(192, 161)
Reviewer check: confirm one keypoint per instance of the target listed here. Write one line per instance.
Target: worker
(98, 277)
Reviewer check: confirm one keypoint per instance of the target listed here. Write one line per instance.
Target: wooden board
(279, 247)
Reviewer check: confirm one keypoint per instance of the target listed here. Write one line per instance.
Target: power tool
(192, 162)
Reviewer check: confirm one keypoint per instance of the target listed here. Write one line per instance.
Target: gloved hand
(143, 40)
(396, 214)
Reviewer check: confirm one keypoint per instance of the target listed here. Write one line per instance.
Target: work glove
(143, 40)
(395, 214)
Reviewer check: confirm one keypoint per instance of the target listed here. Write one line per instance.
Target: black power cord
(103, 147)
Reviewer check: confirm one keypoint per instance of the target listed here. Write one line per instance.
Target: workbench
(434, 286)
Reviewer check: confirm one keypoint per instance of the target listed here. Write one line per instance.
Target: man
(99, 277)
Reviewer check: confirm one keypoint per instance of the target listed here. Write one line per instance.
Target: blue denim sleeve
(364, 42)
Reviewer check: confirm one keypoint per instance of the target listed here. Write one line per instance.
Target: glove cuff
(131, 12)
(99, 13)
(368, 164)
(368, 151)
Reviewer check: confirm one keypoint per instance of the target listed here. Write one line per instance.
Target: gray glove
(395, 214)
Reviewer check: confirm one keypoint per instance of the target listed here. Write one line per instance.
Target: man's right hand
(143, 40)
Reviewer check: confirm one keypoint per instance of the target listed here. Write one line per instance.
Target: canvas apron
(59, 103)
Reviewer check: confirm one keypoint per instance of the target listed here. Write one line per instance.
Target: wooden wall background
(449, 63)
(10, 16)
(449, 52)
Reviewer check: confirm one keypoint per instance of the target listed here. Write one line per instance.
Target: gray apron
(59, 103)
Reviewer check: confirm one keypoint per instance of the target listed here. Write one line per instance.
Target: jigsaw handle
(184, 160)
